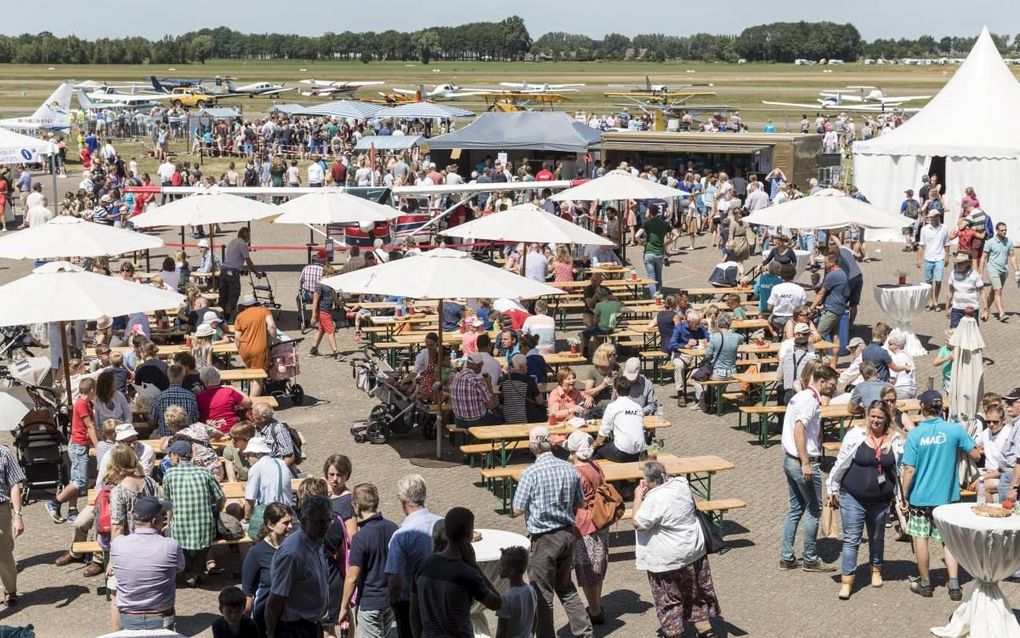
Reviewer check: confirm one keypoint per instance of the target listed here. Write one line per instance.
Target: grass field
(743, 87)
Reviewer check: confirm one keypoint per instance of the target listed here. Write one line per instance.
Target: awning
(286, 109)
(220, 112)
(388, 142)
(658, 146)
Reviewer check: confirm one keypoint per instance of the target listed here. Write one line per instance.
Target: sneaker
(681, 401)
(924, 591)
(71, 515)
(314, 351)
(819, 566)
(956, 594)
(787, 565)
(53, 509)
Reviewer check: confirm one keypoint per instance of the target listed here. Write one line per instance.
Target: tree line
(506, 40)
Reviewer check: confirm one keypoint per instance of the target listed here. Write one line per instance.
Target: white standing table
(902, 304)
(487, 553)
(989, 549)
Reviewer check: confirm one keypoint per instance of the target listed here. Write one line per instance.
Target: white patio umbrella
(210, 207)
(333, 206)
(57, 266)
(966, 383)
(12, 411)
(67, 236)
(77, 296)
(526, 223)
(437, 275)
(829, 208)
(617, 185)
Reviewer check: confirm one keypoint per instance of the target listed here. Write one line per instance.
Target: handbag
(704, 371)
(608, 506)
(258, 513)
(714, 543)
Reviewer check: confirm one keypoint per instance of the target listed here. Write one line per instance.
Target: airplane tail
(156, 85)
(231, 86)
(85, 102)
(56, 108)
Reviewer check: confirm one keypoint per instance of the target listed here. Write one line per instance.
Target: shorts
(856, 287)
(79, 455)
(828, 324)
(977, 248)
(326, 326)
(921, 525)
(934, 271)
(997, 279)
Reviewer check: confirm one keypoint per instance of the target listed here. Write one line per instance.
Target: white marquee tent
(971, 123)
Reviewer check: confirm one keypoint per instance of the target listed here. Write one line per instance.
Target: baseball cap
(257, 445)
(1013, 396)
(632, 368)
(147, 508)
(931, 399)
(125, 431)
(203, 243)
(856, 341)
(322, 255)
(180, 448)
(476, 358)
(933, 213)
(801, 328)
(539, 434)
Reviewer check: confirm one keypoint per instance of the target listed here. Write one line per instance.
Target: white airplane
(525, 87)
(53, 115)
(101, 100)
(333, 88)
(443, 92)
(870, 95)
(256, 88)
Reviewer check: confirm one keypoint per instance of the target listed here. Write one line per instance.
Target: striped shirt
(193, 492)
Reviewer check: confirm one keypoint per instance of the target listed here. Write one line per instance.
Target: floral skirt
(684, 595)
(591, 558)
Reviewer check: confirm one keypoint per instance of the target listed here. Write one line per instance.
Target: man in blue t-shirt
(930, 479)
(876, 353)
(689, 333)
(832, 297)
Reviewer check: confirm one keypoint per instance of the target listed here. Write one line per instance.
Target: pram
(284, 365)
(397, 413)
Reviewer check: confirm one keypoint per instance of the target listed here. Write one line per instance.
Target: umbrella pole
(439, 377)
(65, 363)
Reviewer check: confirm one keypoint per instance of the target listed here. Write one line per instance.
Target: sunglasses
(993, 421)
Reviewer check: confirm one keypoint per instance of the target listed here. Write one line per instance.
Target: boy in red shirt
(83, 437)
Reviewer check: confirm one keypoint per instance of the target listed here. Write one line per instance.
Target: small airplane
(525, 87)
(165, 85)
(870, 95)
(333, 88)
(442, 92)
(256, 88)
(513, 101)
(96, 100)
(653, 89)
(53, 115)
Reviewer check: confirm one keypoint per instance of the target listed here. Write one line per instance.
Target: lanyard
(815, 394)
(877, 443)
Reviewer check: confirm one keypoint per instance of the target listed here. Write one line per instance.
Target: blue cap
(147, 508)
(180, 448)
(931, 399)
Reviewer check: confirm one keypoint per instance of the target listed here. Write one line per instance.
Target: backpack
(608, 506)
(911, 209)
(989, 226)
(103, 522)
(295, 441)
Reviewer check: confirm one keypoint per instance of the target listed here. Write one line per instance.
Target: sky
(874, 18)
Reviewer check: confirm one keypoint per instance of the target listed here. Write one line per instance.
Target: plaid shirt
(548, 493)
(10, 473)
(310, 276)
(278, 438)
(194, 493)
(174, 395)
(470, 394)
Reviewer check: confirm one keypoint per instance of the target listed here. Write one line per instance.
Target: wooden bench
(716, 509)
(765, 414)
(487, 451)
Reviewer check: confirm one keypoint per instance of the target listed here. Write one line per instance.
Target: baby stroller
(397, 413)
(284, 366)
(39, 445)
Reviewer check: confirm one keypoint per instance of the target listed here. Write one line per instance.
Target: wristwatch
(18, 514)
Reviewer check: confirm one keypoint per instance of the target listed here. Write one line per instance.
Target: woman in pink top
(564, 264)
(219, 403)
(970, 195)
(565, 401)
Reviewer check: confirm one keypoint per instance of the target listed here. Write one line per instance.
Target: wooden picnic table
(749, 324)
(714, 292)
(168, 350)
(231, 489)
(609, 271)
(698, 470)
(556, 359)
(244, 375)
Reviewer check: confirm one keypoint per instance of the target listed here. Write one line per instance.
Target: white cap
(125, 431)
(538, 434)
(257, 445)
(203, 243)
(632, 368)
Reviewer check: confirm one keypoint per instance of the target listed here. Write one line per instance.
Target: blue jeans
(79, 456)
(146, 621)
(856, 515)
(955, 315)
(1005, 480)
(653, 268)
(806, 241)
(805, 502)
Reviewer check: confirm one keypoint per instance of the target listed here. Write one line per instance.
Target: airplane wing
(278, 91)
(125, 98)
(861, 108)
(897, 99)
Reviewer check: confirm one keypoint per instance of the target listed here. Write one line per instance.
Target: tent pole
(439, 377)
(65, 363)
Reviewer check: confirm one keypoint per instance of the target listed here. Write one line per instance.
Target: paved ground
(756, 598)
